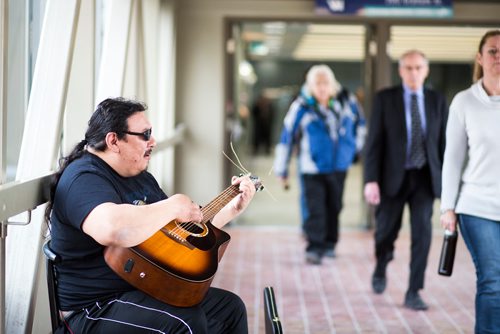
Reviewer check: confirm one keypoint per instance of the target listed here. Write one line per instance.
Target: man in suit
(404, 155)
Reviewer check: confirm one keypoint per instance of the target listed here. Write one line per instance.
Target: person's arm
(284, 148)
(372, 193)
(128, 225)
(454, 159)
(373, 153)
(360, 123)
(448, 220)
(238, 204)
(443, 108)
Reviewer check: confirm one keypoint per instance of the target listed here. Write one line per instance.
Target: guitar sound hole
(191, 228)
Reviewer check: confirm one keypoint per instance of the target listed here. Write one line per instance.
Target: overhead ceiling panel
(440, 44)
(331, 42)
(346, 42)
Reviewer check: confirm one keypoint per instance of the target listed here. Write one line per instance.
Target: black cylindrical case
(447, 257)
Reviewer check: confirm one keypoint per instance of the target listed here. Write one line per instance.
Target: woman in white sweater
(471, 178)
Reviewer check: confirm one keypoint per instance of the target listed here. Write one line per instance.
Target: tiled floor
(336, 297)
(267, 250)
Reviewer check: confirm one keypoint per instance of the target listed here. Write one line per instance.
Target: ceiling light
(274, 28)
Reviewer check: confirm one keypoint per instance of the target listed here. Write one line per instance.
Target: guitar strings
(183, 226)
(247, 172)
(225, 197)
(212, 208)
(240, 167)
(182, 230)
(208, 206)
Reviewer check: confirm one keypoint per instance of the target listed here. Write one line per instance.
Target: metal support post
(3, 237)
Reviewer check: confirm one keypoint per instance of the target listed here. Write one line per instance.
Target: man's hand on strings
(237, 204)
(247, 191)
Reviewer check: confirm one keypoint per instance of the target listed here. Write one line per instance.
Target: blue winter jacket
(351, 131)
(326, 140)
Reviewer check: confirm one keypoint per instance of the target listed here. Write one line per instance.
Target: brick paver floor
(267, 250)
(336, 297)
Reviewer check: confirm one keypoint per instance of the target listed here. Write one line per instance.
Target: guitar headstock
(256, 182)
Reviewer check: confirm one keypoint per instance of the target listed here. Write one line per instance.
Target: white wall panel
(114, 50)
(38, 151)
(160, 46)
(80, 98)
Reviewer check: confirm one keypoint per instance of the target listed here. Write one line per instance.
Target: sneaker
(313, 257)
(330, 253)
(413, 301)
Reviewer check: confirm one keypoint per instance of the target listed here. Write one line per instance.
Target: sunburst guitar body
(178, 263)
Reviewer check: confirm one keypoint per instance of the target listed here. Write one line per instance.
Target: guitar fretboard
(211, 209)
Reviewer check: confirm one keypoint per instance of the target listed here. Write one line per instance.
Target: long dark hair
(111, 115)
(478, 69)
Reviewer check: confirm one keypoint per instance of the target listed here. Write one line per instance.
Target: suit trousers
(416, 191)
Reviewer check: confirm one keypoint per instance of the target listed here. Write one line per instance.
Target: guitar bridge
(182, 232)
(177, 238)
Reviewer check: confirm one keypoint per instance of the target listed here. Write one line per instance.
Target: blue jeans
(482, 237)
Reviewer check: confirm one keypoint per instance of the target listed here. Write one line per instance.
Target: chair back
(51, 259)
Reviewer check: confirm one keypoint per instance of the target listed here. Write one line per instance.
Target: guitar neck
(211, 209)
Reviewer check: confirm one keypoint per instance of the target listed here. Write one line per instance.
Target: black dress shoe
(378, 284)
(414, 301)
(379, 281)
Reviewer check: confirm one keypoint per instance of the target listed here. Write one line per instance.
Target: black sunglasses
(146, 135)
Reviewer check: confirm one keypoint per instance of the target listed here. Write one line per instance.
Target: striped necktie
(417, 146)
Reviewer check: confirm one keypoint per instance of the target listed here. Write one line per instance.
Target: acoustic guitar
(178, 263)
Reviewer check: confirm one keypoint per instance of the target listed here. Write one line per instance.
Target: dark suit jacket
(385, 152)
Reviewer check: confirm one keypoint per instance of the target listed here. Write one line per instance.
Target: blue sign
(387, 8)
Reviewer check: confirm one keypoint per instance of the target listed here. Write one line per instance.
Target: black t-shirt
(84, 276)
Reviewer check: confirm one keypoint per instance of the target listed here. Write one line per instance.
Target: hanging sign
(387, 8)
